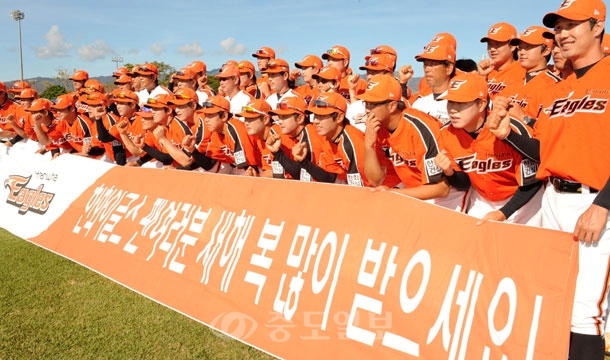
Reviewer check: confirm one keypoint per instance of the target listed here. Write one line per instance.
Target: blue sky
(88, 34)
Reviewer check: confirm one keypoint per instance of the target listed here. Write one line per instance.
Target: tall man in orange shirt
(339, 57)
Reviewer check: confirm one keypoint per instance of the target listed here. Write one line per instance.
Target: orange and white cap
(336, 52)
(277, 66)
(246, 66)
(382, 49)
(264, 52)
(63, 102)
(125, 96)
(535, 35)
(40, 104)
(255, 108)
(500, 32)
(93, 85)
(327, 103)
(379, 62)
(198, 66)
(228, 71)
(328, 73)
(125, 79)
(183, 96)
(184, 74)
(309, 61)
(578, 10)
(28, 93)
(290, 105)
(445, 38)
(145, 69)
(159, 101)
(94, 99)
(215, 104)
(80, 75)
(437, 51)
(120, 72)
(466, 87)
(18, 86)
(382, 87)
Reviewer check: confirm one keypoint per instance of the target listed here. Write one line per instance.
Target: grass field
(52, 308)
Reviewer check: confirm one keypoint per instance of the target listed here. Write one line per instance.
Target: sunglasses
(262, 52)
(334, 51)
(182, 97)
(250, 109)
(324, 104)
(208, 105)
(155, 101)
(123, 95)
(274, 65)
(285, 106)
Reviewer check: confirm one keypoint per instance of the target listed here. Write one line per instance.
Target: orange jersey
(347, 151)
(344, 88)
(531, 95)
(9, 108)
(573, 130)
(507, 81)
(23, 119)
(495, 168)
(412, 147)
(238, 148)
(307, 92)
(82, 128)
(55, 136)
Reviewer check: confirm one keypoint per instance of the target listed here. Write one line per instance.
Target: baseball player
(339, 57)
(504, 184)
(571, 141)
(259, 127)
(229, 78)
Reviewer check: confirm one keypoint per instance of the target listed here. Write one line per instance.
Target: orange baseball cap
(145, 69)
(379, 62)
(445, 38)
(125, 96)
(382, 87)
(228, 71)
(290, 105)
(63, 102)
(327, 103)
(159, 101)
(215, 104)
(328, 73)
(437, 51)
(145, 113)
(93, 85)
(336, 52)
(264, 52)
(18, 86)
(28, 93)
(277, 66)
(120, 72)
(185, 74)
(246, 66)
(40, 104)
(80, 75)
(500, 32)
(255, 108)
(466, 87)
(577, 10)
(94, 99)
(124, 79)
(197, 66)
(183, 96)
(535, 35)
(382, 49)
(308, 61)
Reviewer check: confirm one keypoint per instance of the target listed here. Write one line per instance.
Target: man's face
(288, 124)
(531, 56)
(160, 115)
(255, 126)
(185, 112)
(435, 72)
(499, 51)
(262, 63)
(125, 109)
(276, 81)
(308, 72)
(339, 64)
(78, 84)
(214, 122)
(325, 125)
(575, 38)
(227, 85)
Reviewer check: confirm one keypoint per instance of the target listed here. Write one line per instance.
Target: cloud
(56, 47)
(96, 50)
(230, 47)
(133, 51)
(193, 49)
(157, 48)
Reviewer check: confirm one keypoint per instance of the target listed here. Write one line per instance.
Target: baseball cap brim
(456, 98)
(249, 115)
(371, 98)
(144, 114)
(321, 110)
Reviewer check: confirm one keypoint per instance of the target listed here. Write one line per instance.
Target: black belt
(568, 186)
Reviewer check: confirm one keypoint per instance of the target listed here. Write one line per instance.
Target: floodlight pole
(117, 60)
(18, 16)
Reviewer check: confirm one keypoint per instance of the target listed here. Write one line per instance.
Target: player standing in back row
(574, 151)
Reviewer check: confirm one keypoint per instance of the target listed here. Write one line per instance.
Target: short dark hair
(466, 65)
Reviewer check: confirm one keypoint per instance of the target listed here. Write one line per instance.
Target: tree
(214, 83)
(53, 91)
(63, 77)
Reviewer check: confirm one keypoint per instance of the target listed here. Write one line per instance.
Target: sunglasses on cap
(250, 109)
(154, 101)
(92, 97)
(24, 99)
(285, 106)
(372, 62)
(262, 52)
(334, 51)
(122, 95)
(143, 68)
(146, 109)
(324, 104)
(208, 105)
(273, 65)
(377, 51)
(181, 73)
(182, 97)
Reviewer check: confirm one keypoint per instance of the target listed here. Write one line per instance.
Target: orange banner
(306, 270)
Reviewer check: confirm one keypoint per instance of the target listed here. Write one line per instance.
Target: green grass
(52, 308)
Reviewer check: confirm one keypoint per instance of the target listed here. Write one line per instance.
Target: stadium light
(18, 16)
(117, 60)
